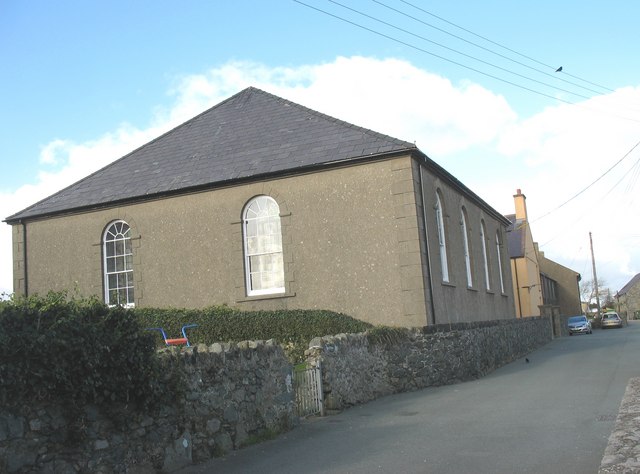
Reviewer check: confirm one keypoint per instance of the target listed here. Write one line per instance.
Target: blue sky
(83, 83)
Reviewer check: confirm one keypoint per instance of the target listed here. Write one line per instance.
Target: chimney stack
(521, 205)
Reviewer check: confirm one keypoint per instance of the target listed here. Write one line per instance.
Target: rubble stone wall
(233, 395)
(356, 371)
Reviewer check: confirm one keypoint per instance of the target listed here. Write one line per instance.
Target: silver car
(579, 325)
(611, 320)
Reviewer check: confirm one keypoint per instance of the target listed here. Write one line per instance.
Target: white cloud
(471, 131)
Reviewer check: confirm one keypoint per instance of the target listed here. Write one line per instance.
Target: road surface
(553, 414)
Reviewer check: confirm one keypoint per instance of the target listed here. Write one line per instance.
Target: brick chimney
(521, 205)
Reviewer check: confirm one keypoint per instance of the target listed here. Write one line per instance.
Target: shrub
(293, 329)
(77, 350)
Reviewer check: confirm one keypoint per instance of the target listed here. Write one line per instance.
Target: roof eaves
(457, 184)
(177, 191)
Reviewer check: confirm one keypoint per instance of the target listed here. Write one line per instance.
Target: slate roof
(249, 135)
(515, 236)
(633, 282)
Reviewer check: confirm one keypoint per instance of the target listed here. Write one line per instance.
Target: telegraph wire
(457, 63)
(594, 182)
(555, 76)
(434, 54)
(459, 52)
(502, 46)
(634, 177)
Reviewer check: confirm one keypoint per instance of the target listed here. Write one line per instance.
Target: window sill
(265, 297)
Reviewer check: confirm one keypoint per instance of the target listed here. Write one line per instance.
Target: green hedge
(82, 351)
(293, 329)
(75, 350)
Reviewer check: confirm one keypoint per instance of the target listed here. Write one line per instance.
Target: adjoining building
(261, 203)
(540, 285)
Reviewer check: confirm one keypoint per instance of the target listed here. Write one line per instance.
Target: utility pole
(595, 276)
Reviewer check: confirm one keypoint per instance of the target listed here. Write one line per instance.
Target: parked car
(611, 320)
(579, 325)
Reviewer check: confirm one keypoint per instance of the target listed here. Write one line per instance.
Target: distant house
(540, 285)
(628, 299)
(260, 203)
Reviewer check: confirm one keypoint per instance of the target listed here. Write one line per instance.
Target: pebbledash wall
(235, 395)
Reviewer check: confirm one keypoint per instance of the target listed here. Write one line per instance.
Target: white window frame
(465, 244)
(499, 253)
(117, 254)
(262, 240)
(442, 240)
(483, 239)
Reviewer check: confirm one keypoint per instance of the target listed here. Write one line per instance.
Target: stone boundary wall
(239, 394)
(355, 371)
(234, 395)
(622, 453)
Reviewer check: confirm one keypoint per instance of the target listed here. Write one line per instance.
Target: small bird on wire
(559, 69)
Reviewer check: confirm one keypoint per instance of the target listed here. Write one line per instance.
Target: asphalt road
(551, 415)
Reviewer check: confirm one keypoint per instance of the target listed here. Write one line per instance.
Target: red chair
(179, 341)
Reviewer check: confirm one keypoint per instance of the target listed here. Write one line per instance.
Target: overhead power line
(587, 187)
(458, 63)
(417, 48)
(520, 63)
(508, 71)
(501, 45)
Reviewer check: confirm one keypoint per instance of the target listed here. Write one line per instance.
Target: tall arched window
(118, 265)
(499, 253)
(465, 244)
(442, 241)
(485, 259)
(264, 263)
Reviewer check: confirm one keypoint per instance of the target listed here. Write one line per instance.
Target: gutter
(515, 267)
(199, 188)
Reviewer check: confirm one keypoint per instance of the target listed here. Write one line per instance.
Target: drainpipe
(24, 258)
(515, 266)
(426, 244)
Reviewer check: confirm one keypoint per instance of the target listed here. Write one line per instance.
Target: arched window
(499, 253)
(465, 244)
(264, 263)
(485, 259)
(442, 241)
(118, 265)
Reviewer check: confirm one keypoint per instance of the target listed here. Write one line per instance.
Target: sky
(472, 83)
